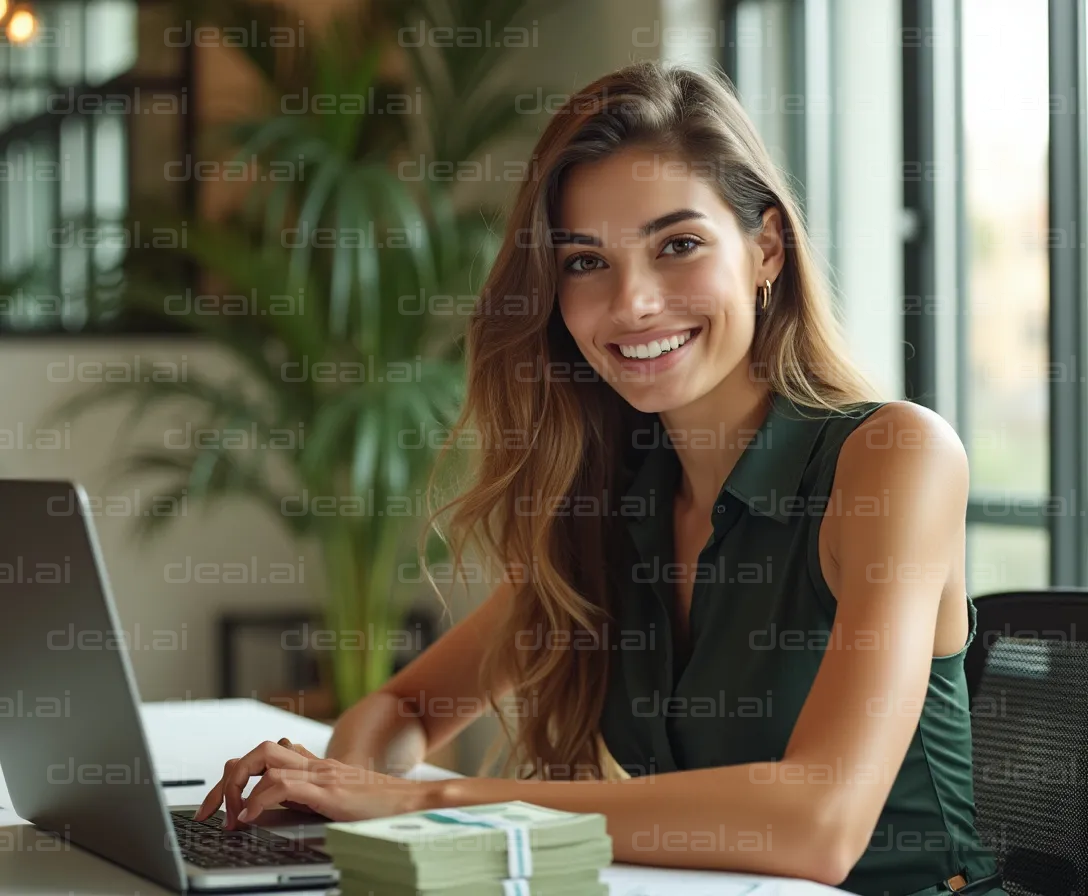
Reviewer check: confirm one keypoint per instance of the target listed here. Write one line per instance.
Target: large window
(89, 109)
(1005, 115)
(987, 209)
(994, 132)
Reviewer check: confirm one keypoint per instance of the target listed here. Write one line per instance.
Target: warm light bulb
(3, 8)
(22, 26)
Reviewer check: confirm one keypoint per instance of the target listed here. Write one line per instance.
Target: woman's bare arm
(427, 703)
(813, 812)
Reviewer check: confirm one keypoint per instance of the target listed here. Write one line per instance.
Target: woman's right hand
(215, 797)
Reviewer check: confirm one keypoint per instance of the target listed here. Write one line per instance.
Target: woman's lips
(662, 362)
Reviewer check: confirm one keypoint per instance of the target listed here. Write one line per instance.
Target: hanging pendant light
(22, 26)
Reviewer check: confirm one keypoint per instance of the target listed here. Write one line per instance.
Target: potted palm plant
(353, 371)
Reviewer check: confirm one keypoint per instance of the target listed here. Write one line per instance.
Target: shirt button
(720, 508)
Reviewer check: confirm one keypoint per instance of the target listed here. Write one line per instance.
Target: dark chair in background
(1027, 676)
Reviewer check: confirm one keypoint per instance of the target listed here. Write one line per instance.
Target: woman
(740, 634)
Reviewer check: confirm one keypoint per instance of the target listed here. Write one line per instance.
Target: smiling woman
(765, 489)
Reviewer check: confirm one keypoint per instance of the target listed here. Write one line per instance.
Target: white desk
(194, 739)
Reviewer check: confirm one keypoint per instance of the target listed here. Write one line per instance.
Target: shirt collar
(767, 474)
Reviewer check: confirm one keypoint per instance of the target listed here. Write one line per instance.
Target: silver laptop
(74, 754)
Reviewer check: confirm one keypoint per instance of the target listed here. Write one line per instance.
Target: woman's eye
(581, 259)
(691, 242)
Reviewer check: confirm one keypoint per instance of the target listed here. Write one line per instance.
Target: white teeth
(656, 347)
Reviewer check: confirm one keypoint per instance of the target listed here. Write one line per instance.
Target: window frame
(935, 360)
(47, 126)
(1068, 337)
(1067, 319)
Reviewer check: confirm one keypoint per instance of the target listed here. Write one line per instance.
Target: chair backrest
(1027, 676)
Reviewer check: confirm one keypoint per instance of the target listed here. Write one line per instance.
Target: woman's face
(655, 254)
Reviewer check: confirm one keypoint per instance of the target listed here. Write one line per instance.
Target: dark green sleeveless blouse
(760, 619)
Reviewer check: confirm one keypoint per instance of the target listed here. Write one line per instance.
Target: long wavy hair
(542, 432)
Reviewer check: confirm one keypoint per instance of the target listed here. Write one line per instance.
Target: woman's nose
(637, 296)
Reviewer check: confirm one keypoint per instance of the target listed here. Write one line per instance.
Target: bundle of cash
(498, 849)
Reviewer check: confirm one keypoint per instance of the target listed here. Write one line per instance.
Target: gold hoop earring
(765, 292)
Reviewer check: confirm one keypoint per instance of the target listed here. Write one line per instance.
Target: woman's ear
(770, 241)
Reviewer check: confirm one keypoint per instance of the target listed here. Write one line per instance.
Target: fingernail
(243, 815)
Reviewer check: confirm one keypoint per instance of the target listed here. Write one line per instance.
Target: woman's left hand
(294, 776)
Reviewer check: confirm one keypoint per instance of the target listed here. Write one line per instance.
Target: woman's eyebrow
(562, 237)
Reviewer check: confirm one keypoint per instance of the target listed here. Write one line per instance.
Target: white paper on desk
(7, 813)
(8, 817)
(638, 880)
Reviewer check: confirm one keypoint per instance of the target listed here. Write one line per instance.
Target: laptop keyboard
(207, 845)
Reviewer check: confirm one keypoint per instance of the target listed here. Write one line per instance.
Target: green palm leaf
(362, 300)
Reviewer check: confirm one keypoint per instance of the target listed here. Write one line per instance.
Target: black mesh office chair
(1027, 674)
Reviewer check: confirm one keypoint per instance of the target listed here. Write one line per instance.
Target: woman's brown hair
(549, 435)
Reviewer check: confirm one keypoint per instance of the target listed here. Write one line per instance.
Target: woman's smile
(655, 359)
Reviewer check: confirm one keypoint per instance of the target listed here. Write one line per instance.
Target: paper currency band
(519, 857)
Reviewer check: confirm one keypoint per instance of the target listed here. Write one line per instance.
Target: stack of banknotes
(499, 849)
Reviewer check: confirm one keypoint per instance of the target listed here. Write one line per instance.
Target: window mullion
(1067, 388)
